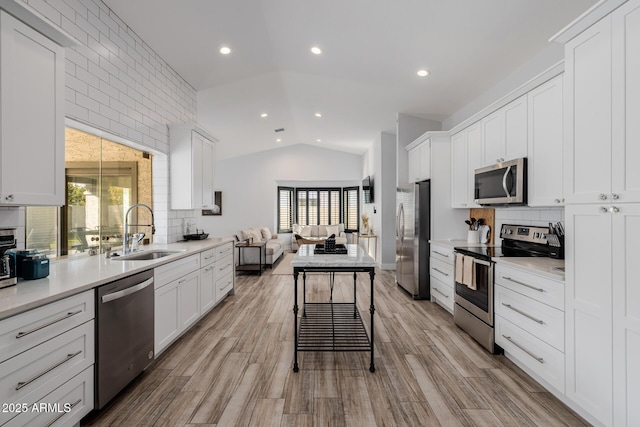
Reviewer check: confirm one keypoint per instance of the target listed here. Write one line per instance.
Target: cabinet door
(414, 164)
(32, 123)
(545, 144)
(493, 138)
(189, 299)
(207, 288)
(474, 160)
(424, 160)
(588, 312)
(626, 102)
(459, 171)
(197, 144)
(208, 161)
(167, 315)
(587, 141)
(515, 129)
(626, 315)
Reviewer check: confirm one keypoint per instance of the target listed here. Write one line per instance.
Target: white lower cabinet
(442, 279)
(207, 281)
(189, 299)
(167, 316)
(529, 322)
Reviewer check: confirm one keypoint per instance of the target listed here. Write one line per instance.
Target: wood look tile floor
(234, 368)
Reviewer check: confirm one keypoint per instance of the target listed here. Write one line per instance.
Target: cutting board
(488, 217)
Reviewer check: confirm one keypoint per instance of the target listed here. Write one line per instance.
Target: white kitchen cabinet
(442, 279)
(466, 149)
(224, 270)
(504, 133)
(32, 73)
(420, 161)
(545, 163)
(166, 316)
(189, 299)
(207, 281)
(192, 161)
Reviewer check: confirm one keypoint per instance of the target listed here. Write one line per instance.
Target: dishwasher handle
(128, 291)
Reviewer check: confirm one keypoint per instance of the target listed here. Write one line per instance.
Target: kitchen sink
(145, 255)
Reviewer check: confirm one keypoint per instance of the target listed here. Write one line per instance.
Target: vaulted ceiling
(366, 73)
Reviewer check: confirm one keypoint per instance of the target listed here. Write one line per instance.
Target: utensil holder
(473, 236)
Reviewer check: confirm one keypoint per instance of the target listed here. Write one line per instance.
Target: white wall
(249, 183)
(116, 83)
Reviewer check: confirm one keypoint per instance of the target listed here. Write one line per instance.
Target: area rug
(284, 266)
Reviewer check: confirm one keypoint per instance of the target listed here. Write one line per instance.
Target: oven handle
(504, 182)
(128, 291)
(481, 262)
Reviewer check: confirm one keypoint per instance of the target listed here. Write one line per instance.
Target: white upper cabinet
(504, 133)
(545, 144)
(32, 116)
(192, 159)
(466, 148)
(420, 161)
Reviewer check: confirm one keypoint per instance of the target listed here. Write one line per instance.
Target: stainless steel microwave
(504, 183)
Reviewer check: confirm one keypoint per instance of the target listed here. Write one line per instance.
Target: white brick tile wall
(526, 216)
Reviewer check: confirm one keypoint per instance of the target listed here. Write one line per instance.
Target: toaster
(32, 265)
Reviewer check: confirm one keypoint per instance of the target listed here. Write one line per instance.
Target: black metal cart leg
(355, 298)
(295, 320)
(372, 309)
(304, 293)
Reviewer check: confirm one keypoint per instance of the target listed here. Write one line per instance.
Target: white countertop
(455, 243)
(355, 257)
(76, 274)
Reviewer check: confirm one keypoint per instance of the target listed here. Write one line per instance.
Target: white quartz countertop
(454, 243)
(547, 267)
(77, 274)
(355, 257)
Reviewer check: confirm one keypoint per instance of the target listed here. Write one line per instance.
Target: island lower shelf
(332, 327)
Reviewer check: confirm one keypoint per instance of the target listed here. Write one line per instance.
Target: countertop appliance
(7, 259)
(32, 264)
(124, 333)
(473, 309)
(504, 183)
(413, 230)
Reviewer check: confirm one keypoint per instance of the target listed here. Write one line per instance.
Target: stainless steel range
(474, 278)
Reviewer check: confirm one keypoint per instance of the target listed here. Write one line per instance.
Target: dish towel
(468, 274)
(459, 267)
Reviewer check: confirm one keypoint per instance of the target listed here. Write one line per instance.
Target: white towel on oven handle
(469, 272)
(459, 268)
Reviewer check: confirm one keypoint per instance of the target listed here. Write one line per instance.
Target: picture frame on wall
(216, 209)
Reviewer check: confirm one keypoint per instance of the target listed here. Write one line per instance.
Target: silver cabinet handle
(9, 198)
(523, 284)
(539, 359)
(441, 272)
(602, 196)
(222, 268)
(523, 313)
(441, 254)
(73, 405)
(208, 269)
(37, 328)
(128, 291)
(209, 257)
(614, 209)
(615, 196)
(441, 293)
(556, 200)
(225, 285)
(46, 371)
(602, 209)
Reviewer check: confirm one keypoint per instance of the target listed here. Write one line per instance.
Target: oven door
(479, 301)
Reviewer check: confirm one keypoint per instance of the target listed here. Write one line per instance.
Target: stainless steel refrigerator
(413, 230)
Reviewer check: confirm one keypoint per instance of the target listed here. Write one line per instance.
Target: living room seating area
(318, 233)
(274, 247)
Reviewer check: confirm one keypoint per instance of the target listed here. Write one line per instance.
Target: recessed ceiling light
(279, 140)
(316, 50)
(423, 73)
(263, 115)
(318, 114)
(318, 140)
(225, 50)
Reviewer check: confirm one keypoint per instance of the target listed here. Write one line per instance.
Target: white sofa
(274, 247)
(318, 232)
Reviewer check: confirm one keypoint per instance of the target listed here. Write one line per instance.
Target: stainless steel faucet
(125, 240)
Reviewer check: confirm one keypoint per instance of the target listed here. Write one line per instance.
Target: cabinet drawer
(540, 288)
(443, 254)
(223, 250)
(540, 320)
(224, 285)
(442, 294)
(174, 270)
(68, 404)
(28, 329)
(538, 356)
(442, 271)
(224, 266)
(30, 376)
(207, 257)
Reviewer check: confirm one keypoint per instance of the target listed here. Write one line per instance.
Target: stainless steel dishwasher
(124, 341)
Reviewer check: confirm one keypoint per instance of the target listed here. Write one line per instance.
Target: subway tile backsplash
(526, 216)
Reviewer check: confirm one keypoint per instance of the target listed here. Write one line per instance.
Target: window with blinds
(285, 209)
(351, 208)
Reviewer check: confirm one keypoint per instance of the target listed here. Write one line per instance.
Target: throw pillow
(256, 234)
(266, 233)
(246, 233)
(333, 229)
(305, 231)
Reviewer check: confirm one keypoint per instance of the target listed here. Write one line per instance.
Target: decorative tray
(199, 236)
(339, 250)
